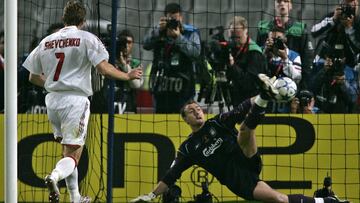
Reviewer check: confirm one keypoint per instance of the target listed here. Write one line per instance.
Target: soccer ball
(287, 89)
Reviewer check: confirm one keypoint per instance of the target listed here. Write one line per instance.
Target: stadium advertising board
(298, 151)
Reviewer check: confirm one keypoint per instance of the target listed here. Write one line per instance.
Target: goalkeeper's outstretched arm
(180, 164)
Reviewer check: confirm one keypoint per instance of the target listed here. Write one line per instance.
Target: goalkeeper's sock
(72, 186)
(255, 116)
(260, 101)
(63, 168)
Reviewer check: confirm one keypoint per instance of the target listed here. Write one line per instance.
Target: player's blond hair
(74, 13)
(239, 21)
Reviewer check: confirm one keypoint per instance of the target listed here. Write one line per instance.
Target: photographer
(334, 92)
(326, 191)
(342, 26)
(282, 62)
(304, 103)
(297, 35)
(246, 61)
(125, 91)
(175, 46)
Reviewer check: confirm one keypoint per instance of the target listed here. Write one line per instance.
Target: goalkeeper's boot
(268, 90)
(54, 194)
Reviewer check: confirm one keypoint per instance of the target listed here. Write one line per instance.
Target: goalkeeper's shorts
(243, 175)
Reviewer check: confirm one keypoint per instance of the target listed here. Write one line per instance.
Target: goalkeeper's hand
(144, 198)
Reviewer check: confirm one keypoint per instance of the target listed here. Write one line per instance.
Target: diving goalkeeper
(231, 156)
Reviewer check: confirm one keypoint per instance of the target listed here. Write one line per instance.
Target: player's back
(67, 57)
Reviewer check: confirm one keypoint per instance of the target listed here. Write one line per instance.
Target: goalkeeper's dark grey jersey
(213, 147)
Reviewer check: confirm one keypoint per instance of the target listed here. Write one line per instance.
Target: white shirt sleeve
(32, 62)
(96, 50)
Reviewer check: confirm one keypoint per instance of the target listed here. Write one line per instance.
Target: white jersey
(66, 58)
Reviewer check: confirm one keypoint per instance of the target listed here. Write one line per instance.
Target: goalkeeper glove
(145, 198)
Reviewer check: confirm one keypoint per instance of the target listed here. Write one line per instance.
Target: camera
(335, 53)
(305, 98)
(172, 23)
(205, 196)
(217, 52)
(278, 43)
(218, 49)
(347, 11)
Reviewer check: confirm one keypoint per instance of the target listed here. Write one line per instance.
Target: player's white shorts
(69, 117)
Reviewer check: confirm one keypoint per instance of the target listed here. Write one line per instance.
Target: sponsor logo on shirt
(211, 149)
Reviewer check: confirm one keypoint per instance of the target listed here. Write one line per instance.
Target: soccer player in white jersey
(62, 64)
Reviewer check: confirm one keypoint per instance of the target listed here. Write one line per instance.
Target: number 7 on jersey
(61, 57)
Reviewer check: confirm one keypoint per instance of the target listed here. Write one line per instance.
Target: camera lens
(278, 43)
(172, 23)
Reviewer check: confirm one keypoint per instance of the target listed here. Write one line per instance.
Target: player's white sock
(72, 186)
(63, 168)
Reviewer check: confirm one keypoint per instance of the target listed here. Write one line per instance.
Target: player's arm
(136, 83)
(160, 189)
(126, 67)
(38, 80)
(110, 71)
